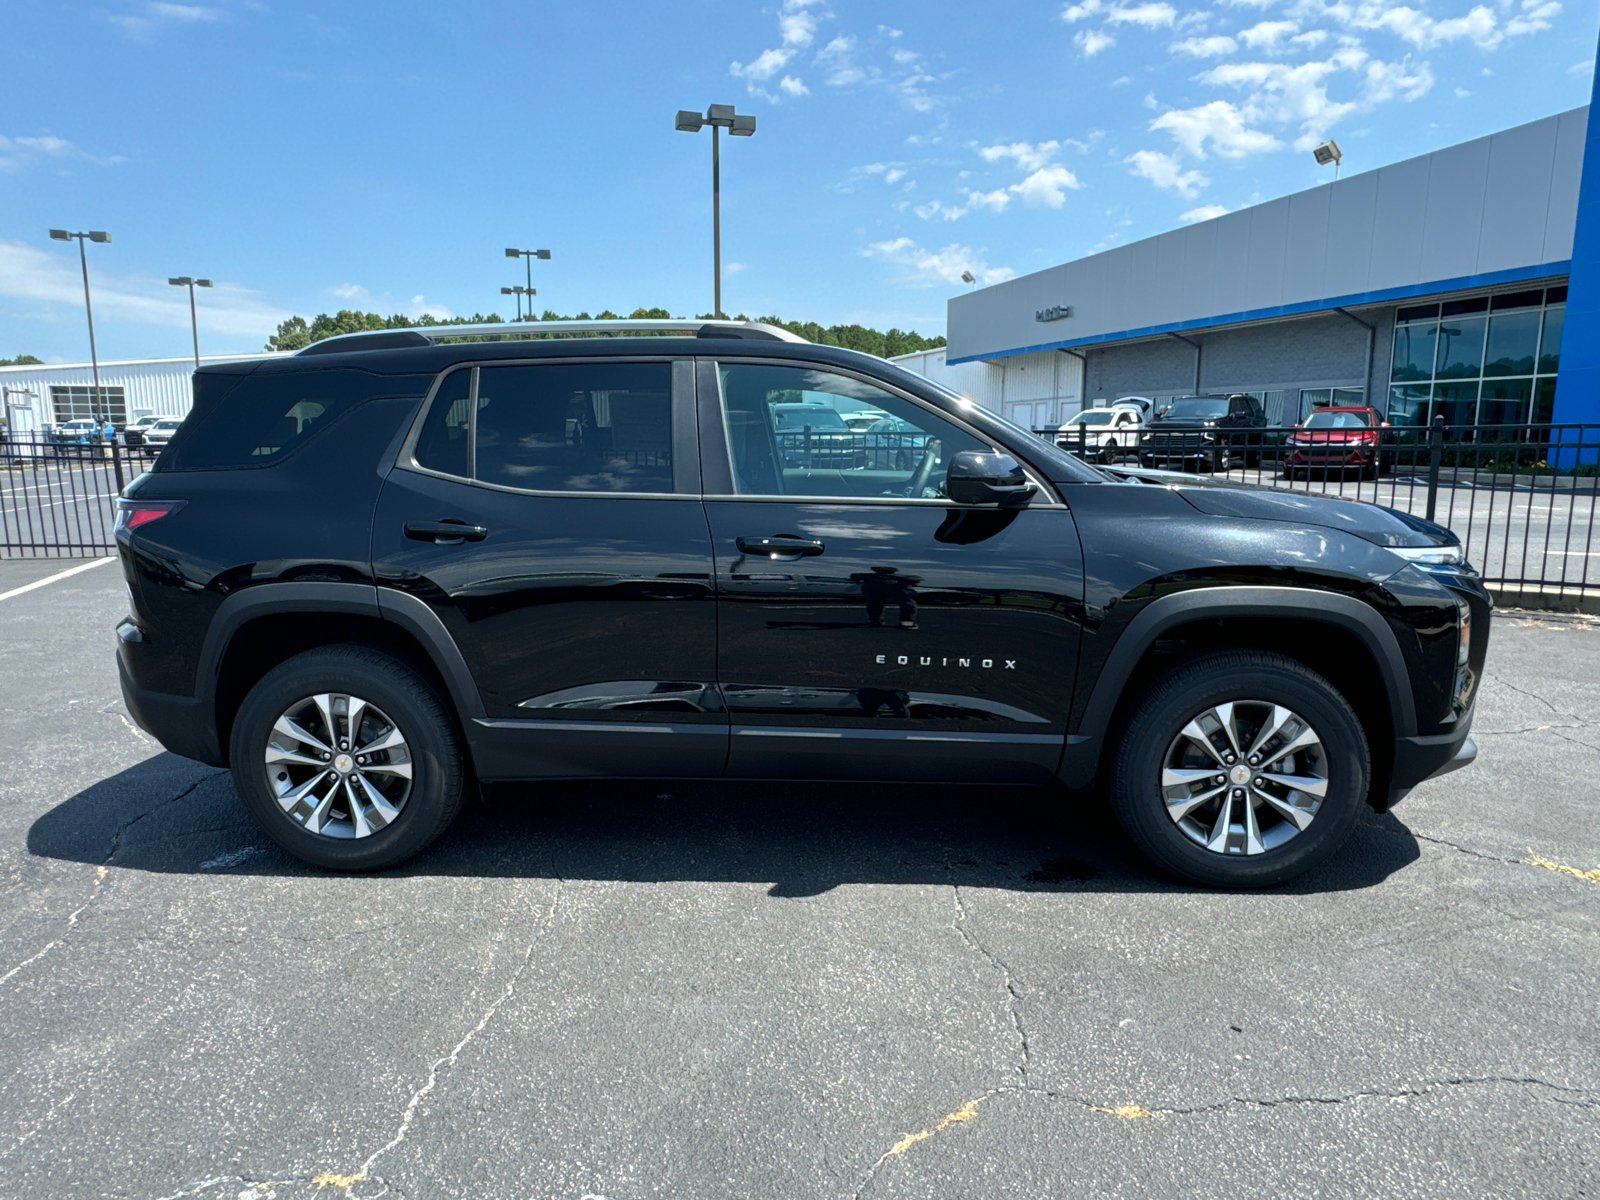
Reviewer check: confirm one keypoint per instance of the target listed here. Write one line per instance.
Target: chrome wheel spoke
(385, 811)
(402, 769)
(1195, 734)
(289, 799)
(1300, 816)
(357, 817)
(1218, 840)
(1181, 807)
(1307, 738)
(1272, 728)
(1224, 715)
(355, 712)
(1310, 784)
(294, 730)
(387, 741)
(1252, 831)
(319, 815)
(277, 754)
(324, 705)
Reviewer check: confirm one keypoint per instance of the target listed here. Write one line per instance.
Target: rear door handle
(448, 532)
(780, 545)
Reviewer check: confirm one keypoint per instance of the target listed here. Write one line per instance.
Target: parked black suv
(370, 574)
(1211, 432)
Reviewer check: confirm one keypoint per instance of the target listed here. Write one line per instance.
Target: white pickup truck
(1106, 434)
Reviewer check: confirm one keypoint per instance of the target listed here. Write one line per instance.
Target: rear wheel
(1240, 769)
(347, 758)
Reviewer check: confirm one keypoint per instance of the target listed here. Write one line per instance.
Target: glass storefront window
(1460, 348)
(1544, 400)
(1457, 403)
(1409, 405)
(1505, 401)
(1513, 341)
(1550, 344)
(1413, 351)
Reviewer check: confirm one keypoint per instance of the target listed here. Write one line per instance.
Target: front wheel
(1240, 769)
(347, 758)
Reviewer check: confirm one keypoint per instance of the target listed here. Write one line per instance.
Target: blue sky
(315, 156)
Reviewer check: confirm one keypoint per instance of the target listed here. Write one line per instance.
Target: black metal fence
(58, 498)
(1521, 498)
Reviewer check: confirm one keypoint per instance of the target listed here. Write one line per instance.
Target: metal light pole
(94, 235)
(718, 116)
(194, 325)
(530, 255)
(519, 292)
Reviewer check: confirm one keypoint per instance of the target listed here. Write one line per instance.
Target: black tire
(1194, 687)
(429, 729)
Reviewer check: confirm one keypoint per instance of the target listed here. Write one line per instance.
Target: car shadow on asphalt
(170, 815)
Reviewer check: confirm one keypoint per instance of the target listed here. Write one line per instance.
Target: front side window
(786, 438)
(559, 427)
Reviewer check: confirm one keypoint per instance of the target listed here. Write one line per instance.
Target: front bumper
(1417, 759)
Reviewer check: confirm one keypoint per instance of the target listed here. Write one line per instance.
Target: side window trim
(682, 404)
(714, 437)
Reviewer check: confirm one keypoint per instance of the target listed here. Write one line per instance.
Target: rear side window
(263, 418)
(561, 427)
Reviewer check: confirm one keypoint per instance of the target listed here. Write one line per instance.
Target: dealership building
(1447, 284)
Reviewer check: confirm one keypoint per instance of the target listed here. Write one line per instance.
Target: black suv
(1214, 432)
(377, 574)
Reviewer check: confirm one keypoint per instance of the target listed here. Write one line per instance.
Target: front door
(578, 587)
(867, 627)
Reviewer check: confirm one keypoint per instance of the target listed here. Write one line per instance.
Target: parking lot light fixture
(719, 117)
(1328, 152)
(98, 397)
(529, 256)
(194, 327)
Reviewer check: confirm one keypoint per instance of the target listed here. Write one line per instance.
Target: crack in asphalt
(1136, 1112)
(1014, 1005)
(1530, 695)
(444, 1063)
(100, 873)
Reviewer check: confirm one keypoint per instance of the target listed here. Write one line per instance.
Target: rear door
(549, 513)
(868, 627)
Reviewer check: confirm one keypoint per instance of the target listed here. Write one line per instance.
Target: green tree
(22, 360)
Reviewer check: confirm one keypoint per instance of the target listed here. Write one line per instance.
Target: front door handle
(448, 532)
(781, 545)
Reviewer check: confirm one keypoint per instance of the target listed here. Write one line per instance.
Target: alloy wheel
(1244, 777)
(338, 766)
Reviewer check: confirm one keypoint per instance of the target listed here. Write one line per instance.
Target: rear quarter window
(263, 418)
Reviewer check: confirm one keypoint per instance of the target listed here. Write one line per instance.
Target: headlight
(1444, 560)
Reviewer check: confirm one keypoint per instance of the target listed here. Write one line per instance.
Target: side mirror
(977, 477)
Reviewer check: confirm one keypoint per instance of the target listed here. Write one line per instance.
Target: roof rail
(423, 335)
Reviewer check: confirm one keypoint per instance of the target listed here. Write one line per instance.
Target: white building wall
(153, 386)
(1034, 390)
(978, 381)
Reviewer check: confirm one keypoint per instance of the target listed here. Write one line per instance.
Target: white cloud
(1084, 8)
(797, 29)
(1310, 39)
(1047, 186)
(1220, 123)
(1205, 47)
(141, 24)
(1265, 35)
(1153, 15)
(46, 279)
(1092, 41)
(19, 153)
(926, 268)
(349, 291)
(1480, 25)
(1166, 172)
(1586, 67)
(1028, 156)
(1204, 213)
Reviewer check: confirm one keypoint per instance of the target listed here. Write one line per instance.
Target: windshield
(1196, 408)
(1099, 417)
(168, 424)
(1337, 420)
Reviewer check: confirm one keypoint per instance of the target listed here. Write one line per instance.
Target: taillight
(133, 513)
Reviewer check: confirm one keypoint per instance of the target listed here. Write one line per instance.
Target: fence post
(1435, 457)
(1083, 442)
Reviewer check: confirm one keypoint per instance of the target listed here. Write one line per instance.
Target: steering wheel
(924, 471)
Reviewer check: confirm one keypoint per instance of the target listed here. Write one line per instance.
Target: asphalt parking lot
(782, 990)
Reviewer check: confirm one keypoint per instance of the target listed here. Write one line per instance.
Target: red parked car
(1336, 439)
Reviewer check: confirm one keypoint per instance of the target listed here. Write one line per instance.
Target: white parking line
(39, 583)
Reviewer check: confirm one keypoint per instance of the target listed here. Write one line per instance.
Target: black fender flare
(1082, 758)
(363, 599)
